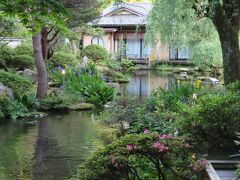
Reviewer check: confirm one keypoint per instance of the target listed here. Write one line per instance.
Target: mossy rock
(120, 81)
(81, 107)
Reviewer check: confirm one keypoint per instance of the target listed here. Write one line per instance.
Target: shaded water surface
(53, 147)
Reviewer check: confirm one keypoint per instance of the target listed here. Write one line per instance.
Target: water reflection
(53, 147)
(144, 82)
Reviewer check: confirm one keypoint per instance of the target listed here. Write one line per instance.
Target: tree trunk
(44, 42)
(41, 69)
(231, 53)
(227, 24)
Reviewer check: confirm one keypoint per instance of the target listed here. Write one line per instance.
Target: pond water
(53, 147)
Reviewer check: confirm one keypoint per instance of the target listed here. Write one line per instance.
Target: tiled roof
(141, 8)
(120, 20)
(139, 15)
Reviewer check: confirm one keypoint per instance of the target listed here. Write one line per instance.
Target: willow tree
(36, 15)
(174, 20)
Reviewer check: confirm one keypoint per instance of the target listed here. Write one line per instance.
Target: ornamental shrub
(24, 49)
(17, 83)
(6, 54)
(213, 119)
(61, 59)
(22, 61)
(95, 53)
(144, 156)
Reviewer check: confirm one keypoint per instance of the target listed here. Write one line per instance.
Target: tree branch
(53, 37)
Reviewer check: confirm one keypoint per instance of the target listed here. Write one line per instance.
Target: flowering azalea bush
(144, 156)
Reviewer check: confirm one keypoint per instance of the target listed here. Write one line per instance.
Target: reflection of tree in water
(41, 148)
(64, 143)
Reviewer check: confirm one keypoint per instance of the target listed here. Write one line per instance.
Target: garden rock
(116, 86)
(81, 107)
(4, 90)
(32, 75)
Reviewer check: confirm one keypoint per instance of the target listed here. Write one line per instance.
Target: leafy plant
(16, 109)
(92, 88)
(177, 92)
(24, 49)
(144, 156)
(22, 61)
(126, 64)
(95, 52)
(213, 119)
(17, 83)
(62, 59)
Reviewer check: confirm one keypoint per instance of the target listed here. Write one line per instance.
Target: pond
(53, 147)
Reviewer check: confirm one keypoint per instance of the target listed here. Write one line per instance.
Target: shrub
(176, 92)
(95, 53)
(62, 60)
(17, 83)
(144, 156)
(126, 64)
(20, 57)
(22, 61)
(16, 109)
(24, 49)
(213, 119)
(6, 54)
(91, 86)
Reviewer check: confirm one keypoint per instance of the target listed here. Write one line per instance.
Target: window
(98, 41)
(178, 54)
(136, 49)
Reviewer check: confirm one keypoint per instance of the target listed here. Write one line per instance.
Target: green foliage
(24, 49)
(144, 156)
(17, 83)
(28, 100)
(121, 111)
(20, 57)
(53, 102)
(176, 93)
(92, 88)
(95, 53)
(5, 54)
(22, 62)
(213, 119)
(207, 54)
(20, 107)
(126, 64)
(16, 109)
(51, 13)
(62, 59)
(62, 101)
(150, 116)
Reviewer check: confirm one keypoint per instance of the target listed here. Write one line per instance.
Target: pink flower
(162, 149)
(135, 147)
(129, 147)
(145, 131)
(164, 136)
(169, 136)
(187, 145)
(114, 161)
(156, 145)
(195, 167)
(203, 163)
